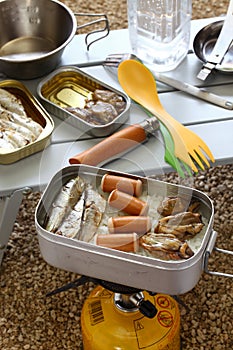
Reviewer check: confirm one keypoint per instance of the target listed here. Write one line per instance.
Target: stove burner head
(118, 288)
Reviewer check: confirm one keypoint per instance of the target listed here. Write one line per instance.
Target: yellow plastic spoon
(139, 83)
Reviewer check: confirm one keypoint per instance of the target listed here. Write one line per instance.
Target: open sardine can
(26, 127)
(73, 96)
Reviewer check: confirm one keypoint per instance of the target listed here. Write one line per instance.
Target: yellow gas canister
(105, 326)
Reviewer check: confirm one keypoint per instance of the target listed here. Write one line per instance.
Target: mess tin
(125, 268)
(37, 113)
(70, 87)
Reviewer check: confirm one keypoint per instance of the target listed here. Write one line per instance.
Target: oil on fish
(65, 202)
(95, 206)
(77, 211)
(17, 128)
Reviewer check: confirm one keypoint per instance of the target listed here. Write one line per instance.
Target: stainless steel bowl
(33, 36)
(204, 42)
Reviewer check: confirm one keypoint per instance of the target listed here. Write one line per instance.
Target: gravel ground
(201, 9)
(29, 320)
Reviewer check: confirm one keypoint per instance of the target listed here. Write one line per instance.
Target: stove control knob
(147, 309)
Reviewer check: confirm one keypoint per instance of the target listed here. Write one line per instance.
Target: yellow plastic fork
(139, 83)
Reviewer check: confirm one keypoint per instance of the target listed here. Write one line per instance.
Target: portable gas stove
(120, 317)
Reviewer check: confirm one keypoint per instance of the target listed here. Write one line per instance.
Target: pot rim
(50, 53)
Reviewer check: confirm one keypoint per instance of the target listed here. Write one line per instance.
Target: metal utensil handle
(101, 18)
(195, 91)
(209, 249)
(221, 46)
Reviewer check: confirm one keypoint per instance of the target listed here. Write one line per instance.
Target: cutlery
(128, 138)
(112, 62)
(118, 143)
(221, 46)
(139, 83)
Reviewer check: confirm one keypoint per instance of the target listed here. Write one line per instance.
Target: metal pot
(142, 272)
(33, 36)
(204, 43)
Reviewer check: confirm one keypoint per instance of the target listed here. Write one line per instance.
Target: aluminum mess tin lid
(130, 269)
(34, 111)
(69, 87)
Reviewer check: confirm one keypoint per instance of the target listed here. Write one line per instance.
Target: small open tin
(35, 111)
(70, 87)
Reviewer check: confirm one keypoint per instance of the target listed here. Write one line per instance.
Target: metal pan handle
(209, 249)
(101, 19)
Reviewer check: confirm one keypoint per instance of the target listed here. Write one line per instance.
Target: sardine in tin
(143, 272)
(69, 87)
(37, 113)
